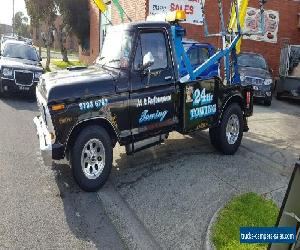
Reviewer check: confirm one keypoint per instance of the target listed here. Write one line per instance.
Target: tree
(62, 32)
(43, 11)
(76, 18)
(21, 26)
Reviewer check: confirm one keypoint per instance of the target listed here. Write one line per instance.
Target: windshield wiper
(111, 61)
(114, 60)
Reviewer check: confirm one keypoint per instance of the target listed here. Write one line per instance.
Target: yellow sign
(101, 5)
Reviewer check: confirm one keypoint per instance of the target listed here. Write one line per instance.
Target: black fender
(238, 98)
(80, 125)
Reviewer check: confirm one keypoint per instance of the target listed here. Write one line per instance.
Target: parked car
(198, 54)
(20, 67)
(254, 70)
(5, 38)
(288, 84)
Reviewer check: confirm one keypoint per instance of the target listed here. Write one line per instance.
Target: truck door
(153, 94)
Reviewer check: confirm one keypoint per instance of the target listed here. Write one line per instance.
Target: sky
(6, 10)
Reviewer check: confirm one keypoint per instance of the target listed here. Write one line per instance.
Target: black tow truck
(133, 95)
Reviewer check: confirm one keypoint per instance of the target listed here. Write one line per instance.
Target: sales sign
(192, 9)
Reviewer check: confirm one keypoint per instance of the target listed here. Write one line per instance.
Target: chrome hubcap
(233, 129)
(93, 158)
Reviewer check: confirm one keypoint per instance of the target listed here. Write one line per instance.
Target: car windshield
(116, 49)
(21, 51)
(253, 61)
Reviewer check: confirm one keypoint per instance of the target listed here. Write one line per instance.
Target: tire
(90, 170)
(267, 102)
(234, 115)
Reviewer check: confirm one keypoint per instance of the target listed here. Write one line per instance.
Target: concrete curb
(131, 230)
(208, 245)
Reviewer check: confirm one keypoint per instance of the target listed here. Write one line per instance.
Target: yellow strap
(101, 5)
(243, 5)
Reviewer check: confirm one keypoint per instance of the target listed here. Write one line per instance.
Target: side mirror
(148, 61)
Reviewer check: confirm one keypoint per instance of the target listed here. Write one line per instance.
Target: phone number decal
(93, 104)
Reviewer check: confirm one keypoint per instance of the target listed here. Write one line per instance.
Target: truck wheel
(91, 158)
(231, 130)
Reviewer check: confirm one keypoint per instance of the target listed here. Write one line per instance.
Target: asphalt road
(41, 207)
(161, 197)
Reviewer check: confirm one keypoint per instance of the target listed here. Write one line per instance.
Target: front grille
(258, 93)
(254, 80)
(24, 78)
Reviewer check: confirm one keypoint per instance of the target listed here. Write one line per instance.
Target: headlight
(7, 72)
(37, 75)
(268, 81)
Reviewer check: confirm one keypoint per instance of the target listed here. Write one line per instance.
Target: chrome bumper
(45, 140)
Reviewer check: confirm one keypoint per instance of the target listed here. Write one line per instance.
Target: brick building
(288, 24)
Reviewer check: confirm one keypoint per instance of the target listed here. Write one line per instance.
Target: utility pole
(13, 20)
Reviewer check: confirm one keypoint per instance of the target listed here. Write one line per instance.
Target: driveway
(175, 189)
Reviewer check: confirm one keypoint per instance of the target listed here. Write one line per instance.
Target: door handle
(167, 78)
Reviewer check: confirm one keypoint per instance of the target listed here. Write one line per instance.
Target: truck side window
(155, 43)
(198, 55)
(193, 55)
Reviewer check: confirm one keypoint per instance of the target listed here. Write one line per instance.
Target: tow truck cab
(132, 95)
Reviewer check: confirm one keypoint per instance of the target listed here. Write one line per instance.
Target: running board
(144, 144)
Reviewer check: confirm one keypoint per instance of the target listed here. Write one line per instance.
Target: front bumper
(262, 95)
(9, 85)
(262, 92)
(45, 140)
(49, 151)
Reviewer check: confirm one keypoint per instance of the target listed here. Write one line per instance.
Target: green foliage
(247, 210)
(75, 14)
(41, 11)
(76, 17)
(20, 23)
(63, 65)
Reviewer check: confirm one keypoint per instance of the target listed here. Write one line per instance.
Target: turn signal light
(58, 107)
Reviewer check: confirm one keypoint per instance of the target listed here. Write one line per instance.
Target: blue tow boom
(228, 52)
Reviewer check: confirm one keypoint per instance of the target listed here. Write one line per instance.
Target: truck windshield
(116, 49)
